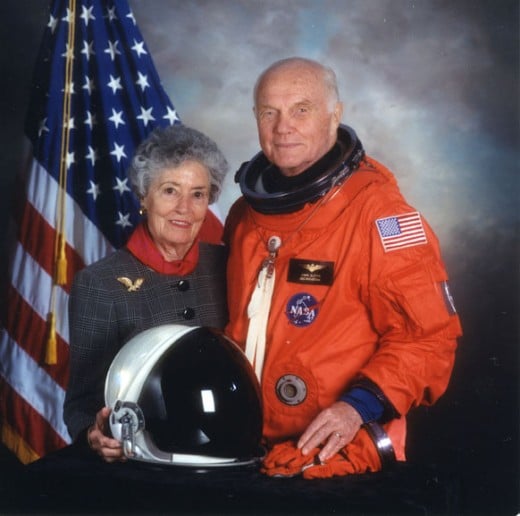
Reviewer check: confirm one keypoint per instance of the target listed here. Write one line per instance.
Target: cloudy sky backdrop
(429, 86)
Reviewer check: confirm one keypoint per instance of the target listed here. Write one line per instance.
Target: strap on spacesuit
(258, 309)
(258, 313)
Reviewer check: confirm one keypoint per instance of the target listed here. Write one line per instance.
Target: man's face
(297, 124)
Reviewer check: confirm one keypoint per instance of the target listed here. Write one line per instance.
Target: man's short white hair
(328, 74)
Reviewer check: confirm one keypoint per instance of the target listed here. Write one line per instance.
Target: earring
(142, 210)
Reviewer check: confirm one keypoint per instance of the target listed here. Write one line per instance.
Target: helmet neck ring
(249, 178)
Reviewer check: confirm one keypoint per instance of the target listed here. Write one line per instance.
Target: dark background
(473, 430)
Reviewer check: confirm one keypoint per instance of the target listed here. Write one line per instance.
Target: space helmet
(185, 396)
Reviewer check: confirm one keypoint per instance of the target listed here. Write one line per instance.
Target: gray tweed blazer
(104, 314)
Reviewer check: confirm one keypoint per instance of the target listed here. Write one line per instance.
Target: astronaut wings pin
(131, 286)
(313, 267)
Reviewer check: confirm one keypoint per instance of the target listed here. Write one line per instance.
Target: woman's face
(176, 205)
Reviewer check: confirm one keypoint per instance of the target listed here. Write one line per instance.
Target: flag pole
(60, 259)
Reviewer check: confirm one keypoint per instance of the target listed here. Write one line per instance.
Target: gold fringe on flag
(14, 441)
(60, 258)
(61, 263)
(51, 349)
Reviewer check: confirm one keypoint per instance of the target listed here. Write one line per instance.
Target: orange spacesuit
(360, 295)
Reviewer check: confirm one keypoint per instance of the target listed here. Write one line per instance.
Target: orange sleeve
(418, 326)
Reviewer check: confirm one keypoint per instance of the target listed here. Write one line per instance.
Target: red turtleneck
(144, 249)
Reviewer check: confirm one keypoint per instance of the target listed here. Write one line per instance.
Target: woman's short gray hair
(171, 146)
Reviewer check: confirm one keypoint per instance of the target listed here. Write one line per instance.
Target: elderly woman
(163, 275)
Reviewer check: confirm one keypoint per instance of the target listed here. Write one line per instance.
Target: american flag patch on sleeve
(400, 231)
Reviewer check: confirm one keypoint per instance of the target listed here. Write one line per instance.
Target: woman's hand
(109, 449)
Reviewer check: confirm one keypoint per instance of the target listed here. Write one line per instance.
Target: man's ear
(338, 112)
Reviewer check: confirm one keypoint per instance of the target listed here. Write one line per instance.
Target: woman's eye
(169, 191)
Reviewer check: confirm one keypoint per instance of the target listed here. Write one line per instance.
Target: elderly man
(336, 286)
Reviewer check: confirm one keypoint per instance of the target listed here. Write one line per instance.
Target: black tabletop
(75, 480)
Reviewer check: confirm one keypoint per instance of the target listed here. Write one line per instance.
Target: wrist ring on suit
(384, 446)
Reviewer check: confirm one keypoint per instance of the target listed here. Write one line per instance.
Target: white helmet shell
(184, 396)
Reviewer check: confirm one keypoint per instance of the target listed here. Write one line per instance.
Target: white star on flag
(90, 120)
(117, 118)
(88, 49)
(92, 155)
(86, 14)
(139, 48)
(112, 49)
(123, 220)
(93, 190)
(121, 186)
(118, 152)
(171, 115)
(115, 84)
(142, 81)
(146, 115)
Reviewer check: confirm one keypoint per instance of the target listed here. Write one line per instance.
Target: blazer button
(182, 285)
(188, 313)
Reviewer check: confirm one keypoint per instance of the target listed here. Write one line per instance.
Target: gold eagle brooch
(131, 286)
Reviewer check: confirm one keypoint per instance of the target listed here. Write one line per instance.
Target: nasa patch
(302, 309)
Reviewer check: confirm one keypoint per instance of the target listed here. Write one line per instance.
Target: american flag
(401, 231)
(96, 94)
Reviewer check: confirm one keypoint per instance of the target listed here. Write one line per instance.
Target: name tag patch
(310, 272)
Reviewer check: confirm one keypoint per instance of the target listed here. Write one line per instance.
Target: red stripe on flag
(29, 330)
(38, 239)
(29, 424)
